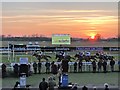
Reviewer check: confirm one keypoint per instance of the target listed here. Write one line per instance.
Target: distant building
(32, 46)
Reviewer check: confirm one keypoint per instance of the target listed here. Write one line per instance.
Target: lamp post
(13, 53)
(9, 53)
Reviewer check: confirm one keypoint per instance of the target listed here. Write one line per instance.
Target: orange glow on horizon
(91, 34)
(78, 22)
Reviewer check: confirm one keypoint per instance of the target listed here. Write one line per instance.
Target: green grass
(80, 78)
(31, 58)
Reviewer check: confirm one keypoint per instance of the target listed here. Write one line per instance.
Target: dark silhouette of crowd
(52, 67)
(44, 85)
(16, 69)
(3, 66)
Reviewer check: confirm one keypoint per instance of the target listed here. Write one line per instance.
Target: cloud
(18, 21)
(62, 20)
(87, 11)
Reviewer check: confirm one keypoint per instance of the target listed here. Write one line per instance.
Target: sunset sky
(77, 19)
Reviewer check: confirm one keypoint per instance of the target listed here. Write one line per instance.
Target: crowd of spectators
(52, 67)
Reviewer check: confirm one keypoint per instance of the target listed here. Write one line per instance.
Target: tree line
(44, 38)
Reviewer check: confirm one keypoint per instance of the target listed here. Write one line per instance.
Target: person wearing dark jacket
(16, 69)
(3, 66)
(65, 65)
(94, 66)
(35, 67)
(75, 67)
(39, 67)
(43, 85)
(100, 65)
(47, 64)
(112, 63)
(80, 66)
(54, 69)
(105, 66)
(51, 83)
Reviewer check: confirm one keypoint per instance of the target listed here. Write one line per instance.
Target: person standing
(51, 83)
(75, 67)
(43, 85)
(105, 66)
(39, 67)
(100, 65)
(31, 68)
(65, 65)
(54, 68)
(94, 66)
(80, 66)
(35, 67)
(112, 63)
(3, 70)
(16, 69)
(59, 75)
(47, 67)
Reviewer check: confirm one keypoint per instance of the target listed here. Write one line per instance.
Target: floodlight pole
(9, 53)
(13, 53)
(31, 58)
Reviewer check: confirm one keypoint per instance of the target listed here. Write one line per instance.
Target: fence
(86, 67)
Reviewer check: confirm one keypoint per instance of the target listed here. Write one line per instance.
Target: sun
(92, 37)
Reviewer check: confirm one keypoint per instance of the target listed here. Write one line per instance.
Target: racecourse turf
(32, 58)
(89, 79)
